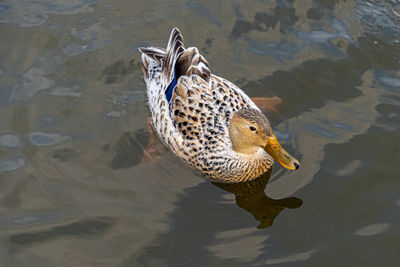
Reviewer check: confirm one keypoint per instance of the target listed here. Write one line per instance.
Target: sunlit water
(78, 190)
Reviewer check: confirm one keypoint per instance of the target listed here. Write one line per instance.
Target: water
(78, 187)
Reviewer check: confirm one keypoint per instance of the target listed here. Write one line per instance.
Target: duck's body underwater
(206, 120)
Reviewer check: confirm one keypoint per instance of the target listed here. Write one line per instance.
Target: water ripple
(379, 17)
(203, 11)
(390, 81)
(372, 229)
(11, 165)
(9, 140)
(303, 256)
(35, 13)
(34, 81)
(47, 139)
(320, 131)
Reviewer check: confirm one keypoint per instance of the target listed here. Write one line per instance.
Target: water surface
(77, 184)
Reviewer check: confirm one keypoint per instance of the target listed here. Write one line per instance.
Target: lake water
(77, 189)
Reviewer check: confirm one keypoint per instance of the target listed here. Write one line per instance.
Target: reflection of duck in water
(206, 120)
(251, 197)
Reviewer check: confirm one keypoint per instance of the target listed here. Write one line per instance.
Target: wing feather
(192, 62)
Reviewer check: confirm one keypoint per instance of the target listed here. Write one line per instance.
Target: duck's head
(249, 130)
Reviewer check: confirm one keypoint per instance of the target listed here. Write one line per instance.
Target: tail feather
(174, 49)
(150, 54)
(176, 60)
(156, 53)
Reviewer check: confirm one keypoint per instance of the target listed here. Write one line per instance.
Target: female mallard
(206, 120)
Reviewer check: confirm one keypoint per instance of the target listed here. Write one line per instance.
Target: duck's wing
(191, 107)
(195, 107)
(201, 111)
(192, 62)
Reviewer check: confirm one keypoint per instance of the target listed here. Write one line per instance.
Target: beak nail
(296, 165)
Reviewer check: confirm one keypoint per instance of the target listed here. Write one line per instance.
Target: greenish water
(76, 187)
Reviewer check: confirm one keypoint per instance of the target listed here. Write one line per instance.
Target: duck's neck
(240, 167)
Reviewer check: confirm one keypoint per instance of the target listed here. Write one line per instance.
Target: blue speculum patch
(171, 86)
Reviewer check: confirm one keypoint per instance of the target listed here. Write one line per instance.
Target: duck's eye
(253, 129)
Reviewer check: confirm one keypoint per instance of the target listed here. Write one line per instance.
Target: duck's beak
(275, 150)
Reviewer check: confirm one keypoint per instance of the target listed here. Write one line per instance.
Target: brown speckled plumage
(194, 124)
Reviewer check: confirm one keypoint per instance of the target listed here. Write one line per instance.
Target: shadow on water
(128, 149)
(87, 227)
(133, 148)
(251, 197)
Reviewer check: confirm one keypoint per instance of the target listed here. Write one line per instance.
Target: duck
(204, 119)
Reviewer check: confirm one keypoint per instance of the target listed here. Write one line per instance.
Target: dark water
(77, 187)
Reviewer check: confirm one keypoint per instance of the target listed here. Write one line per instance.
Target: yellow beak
(275, 150)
